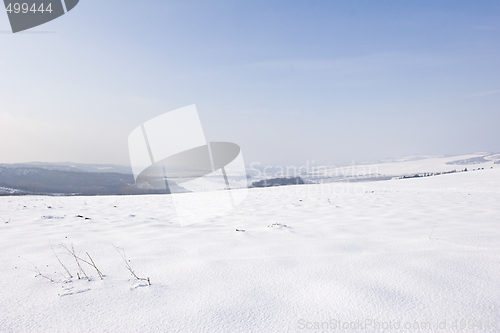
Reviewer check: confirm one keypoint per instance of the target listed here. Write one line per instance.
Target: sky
(288, 81)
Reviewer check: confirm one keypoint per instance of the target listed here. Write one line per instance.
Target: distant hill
(77, 167)
(58, 179)
(469, 161)
(106, 179)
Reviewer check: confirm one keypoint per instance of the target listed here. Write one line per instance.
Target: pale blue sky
(289, 81)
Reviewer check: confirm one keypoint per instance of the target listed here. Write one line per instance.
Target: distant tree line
(278, 182)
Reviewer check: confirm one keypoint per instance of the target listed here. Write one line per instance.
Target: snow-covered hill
(400, 167)
(9, 191)
(421, 251)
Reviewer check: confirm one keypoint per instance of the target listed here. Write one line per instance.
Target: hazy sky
(289, 81)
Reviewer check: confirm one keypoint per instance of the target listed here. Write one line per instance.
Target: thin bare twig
(73, 253)
(66, 268)
(433, 228)
(93, 264)
(127, 264)
(37, 270)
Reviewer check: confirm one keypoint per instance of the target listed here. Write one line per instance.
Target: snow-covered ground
(420, 251)
(315, 173)
(8, 191)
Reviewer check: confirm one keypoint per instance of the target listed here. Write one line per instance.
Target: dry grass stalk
(127, 264)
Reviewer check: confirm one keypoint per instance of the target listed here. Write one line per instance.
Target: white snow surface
(421, 250)
(6, 191)
(405, 166)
